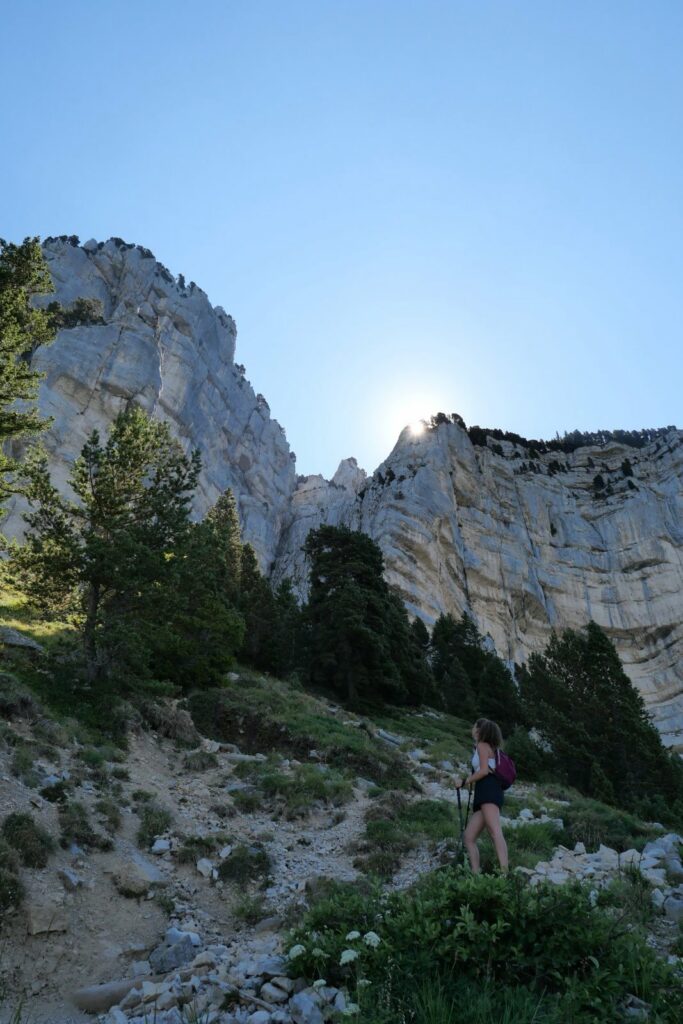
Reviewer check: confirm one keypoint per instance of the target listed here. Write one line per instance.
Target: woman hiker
(488, 793)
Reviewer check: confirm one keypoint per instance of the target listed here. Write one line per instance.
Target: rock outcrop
(163, 346)
(526, 542)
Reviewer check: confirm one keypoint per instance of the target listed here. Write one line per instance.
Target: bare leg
(491, 813)
(474, 828)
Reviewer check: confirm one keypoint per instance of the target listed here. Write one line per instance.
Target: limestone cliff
(524, 541)
(527, 543)
(163, 346)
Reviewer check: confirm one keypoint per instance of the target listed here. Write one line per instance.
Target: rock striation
(526, 542)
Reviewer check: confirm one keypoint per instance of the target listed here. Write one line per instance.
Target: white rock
(204, 867)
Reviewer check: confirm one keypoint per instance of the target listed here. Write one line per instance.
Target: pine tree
(110, 555)
(581, 701)
(360, 641)
(207, 629)
(23, 273)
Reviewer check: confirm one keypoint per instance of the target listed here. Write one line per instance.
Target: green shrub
(57, 792)
(247, 800)
(16, 700)
(249, 909)
(75, 826)
(200, 761)
(195, 847)
(9, 858)
(154, 820)
(591, 822)
(33, 844)
(456, 932)
(269, 715)
(142, 796)
(11, 891)
(222, 810)
(244, 864)
(21, 766)
(110, 812)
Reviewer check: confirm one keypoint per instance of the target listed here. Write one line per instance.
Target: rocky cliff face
(524, 542)
(527, 544)
(163, 346)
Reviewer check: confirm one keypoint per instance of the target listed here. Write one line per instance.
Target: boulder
(45, 917)
(168, 956)
(304, 1010)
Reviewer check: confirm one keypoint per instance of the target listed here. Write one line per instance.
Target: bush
(591, 822)
(9, 858)
(110, 812)
(249, 909)
(456, 931)
(200, 761)
(16, 700)
(195, 847)
(33, 844)
(76, 828)
(244, 864)
(11, 891)
(154, 820)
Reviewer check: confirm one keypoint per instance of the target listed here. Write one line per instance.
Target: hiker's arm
(483, 750)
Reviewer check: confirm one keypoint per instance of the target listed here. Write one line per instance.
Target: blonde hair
(489, 732)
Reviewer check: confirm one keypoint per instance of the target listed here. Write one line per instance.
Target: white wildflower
(296, 951)
(350, 1009)
(352, 935)
(372, 939)
(363, 983)
(320, 983)
(319, 953)
(348, 956)
(593, 897)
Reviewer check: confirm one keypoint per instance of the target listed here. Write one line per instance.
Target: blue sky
(407, 207)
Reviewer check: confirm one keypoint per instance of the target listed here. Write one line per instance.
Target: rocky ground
(159, 931)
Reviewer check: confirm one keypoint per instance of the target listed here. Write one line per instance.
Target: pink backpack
(505, 770)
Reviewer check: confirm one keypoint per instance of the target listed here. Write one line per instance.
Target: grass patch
(110, 813)
(245, 864)
(30, 840)
(266, 714)
(200, 761)
(11, 891)
(75, 827)
(249, 909)
(154, 820)
(395, 825)
(193, 848)
(295, 793)
(17, 613)
(591, 822)
(443, 738)
(22, 768)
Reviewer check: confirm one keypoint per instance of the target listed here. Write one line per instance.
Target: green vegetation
(154, 820)
(265, 714)
(193, 848)
(296, 792)
(245, 864)
(249, 909)
(543, 953)
(23, 328)
(200, 761)
(470, 678)
(395, 825)
(594, 721)
(75, 827)
(29, 839)
(360, 643)
(11, 891)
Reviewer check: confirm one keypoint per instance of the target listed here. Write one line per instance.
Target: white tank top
(476, 764)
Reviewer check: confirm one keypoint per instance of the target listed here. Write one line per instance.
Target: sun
(417, 427)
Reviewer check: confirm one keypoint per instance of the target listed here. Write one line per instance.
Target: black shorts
(488, 791)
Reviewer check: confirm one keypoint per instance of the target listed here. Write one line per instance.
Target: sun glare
(417, 428)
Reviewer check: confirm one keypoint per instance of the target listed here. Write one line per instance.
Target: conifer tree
(580, 700)
(109, 557)
(360, 641)
(23, 273)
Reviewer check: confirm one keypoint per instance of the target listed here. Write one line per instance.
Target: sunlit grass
(17, 613)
